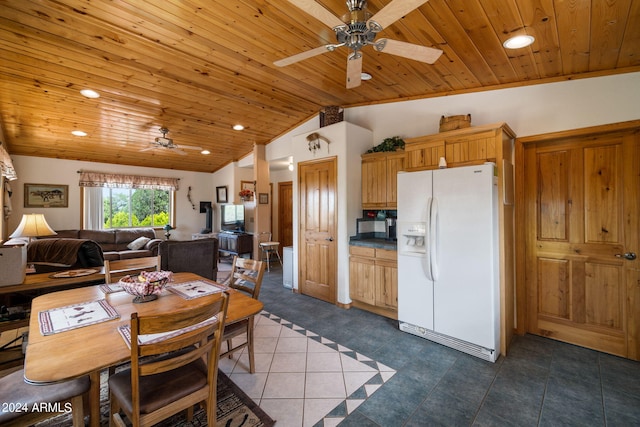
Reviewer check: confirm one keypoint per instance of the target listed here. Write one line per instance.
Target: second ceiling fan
(360, 29)
(162, 142)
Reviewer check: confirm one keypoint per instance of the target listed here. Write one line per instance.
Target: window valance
(6, 165)
(99, 179)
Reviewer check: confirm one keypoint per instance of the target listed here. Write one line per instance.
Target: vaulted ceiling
(198, 67)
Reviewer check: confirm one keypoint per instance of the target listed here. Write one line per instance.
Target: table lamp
(33, 225)
(167, 229)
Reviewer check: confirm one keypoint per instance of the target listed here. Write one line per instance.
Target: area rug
(234, 408)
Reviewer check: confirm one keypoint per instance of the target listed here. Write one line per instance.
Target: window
(126, 201)
(131, 207)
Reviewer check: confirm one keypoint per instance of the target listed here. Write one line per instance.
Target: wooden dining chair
(44, 398)
(115, 269)
(172, 372)
(246, 276)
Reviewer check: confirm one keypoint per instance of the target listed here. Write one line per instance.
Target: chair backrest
(264, 236)
(117, 268)
(246, 276)
(192, 334)
(195, 256)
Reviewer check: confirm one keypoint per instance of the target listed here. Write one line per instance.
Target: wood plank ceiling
(198, 67)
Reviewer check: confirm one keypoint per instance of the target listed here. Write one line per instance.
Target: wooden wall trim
(580, 132)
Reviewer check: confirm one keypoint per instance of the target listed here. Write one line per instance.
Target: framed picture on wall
(263, 198)
(221, 194)
(46, 196)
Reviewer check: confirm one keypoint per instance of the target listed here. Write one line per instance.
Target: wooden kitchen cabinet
(362, 273)
(468, 146)
(373, 280)
(379, 177)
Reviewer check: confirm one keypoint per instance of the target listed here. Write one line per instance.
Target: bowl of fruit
(146, 285)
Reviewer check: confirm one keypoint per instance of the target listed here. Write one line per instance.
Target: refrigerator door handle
(426, 259)
(434, 231)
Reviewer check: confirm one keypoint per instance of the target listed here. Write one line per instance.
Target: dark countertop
(379, 243)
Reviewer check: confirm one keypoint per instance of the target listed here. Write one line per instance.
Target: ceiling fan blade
(304, 55)
(318, 11)
(147, 149)
(395, 10)
(177, 151)
(354, 70)
(408, 50)
(188, 147)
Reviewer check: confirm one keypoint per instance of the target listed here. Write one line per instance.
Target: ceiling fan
(167, 143)
(359, 30)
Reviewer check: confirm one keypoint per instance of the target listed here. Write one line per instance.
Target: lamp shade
(33, 225)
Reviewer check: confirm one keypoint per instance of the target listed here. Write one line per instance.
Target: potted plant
(245, 194)
(388, 144)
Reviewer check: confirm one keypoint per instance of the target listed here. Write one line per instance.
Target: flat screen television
(232, 218)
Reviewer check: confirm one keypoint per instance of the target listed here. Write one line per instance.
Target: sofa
(116, 243)
(49, 255)
(195, 256)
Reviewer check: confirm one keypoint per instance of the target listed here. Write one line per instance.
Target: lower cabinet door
(362, 276)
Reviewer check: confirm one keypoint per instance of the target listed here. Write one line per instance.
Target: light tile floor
(301, 378)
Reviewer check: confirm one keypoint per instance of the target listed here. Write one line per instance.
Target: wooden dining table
(89, 349)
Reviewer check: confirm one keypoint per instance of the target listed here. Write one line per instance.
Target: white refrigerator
(448, 258)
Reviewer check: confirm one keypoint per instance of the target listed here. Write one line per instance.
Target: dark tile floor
(541, 383)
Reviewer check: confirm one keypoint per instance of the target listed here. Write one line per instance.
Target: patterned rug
(234, 408)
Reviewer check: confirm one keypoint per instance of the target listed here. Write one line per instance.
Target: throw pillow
(138, 243)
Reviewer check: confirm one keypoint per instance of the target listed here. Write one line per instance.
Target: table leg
(94, 399)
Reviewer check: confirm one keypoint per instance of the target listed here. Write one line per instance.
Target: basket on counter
(454, 122)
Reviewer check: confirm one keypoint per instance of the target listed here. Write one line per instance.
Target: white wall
(529, 110)
(39, 170)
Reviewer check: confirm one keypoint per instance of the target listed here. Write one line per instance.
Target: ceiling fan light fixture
(78, 133)
(365, 76)
(518, 42)
(89, 93)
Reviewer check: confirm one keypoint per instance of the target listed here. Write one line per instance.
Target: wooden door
(581, 217)
(285, 214)
(318, 220)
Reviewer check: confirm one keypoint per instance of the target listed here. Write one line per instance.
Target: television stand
(235, 243)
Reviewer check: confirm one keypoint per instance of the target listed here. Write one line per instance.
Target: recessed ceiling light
(78, 133)
(365, 76)
(518, 42)
(205, 152)
(238, 127)
(90, 93)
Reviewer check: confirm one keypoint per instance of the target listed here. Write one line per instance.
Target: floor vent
(463, 346)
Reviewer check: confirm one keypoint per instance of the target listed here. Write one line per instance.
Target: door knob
(331, 240)
(627, 255)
